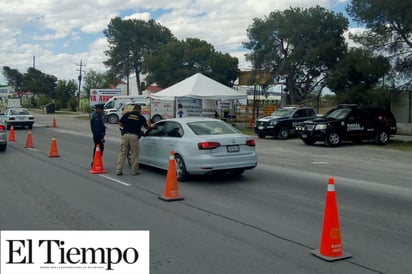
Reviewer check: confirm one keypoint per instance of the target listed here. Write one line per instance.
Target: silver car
(3, 137)
(201, 146)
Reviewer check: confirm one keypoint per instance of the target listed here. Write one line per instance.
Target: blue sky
(60, 33)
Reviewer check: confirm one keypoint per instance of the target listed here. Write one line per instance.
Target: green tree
(356, 77)
(94, 80)
(130, 41)
(65, 91)
(301, 46)
(39, 83)
(389, 30)
(178, 60)
(14, 77)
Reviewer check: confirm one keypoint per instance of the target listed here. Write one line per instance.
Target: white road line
(114, 180)
(320, 163)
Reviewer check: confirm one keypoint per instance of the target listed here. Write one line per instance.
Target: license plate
(233, 148)
(260, 127)
(20, 118)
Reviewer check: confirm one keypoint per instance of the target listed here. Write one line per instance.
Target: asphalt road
(265, 221)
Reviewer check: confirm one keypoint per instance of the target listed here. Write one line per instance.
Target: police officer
(98, 129)
(132, 123)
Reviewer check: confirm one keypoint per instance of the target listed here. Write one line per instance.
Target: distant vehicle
(201, 146)
(113, 109)
(3, 137)
(161, 109)
(349, 123)
(17, 117)
(144, 109)
(282, 122)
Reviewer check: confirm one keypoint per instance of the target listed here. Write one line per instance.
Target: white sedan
(201, 146)
(17, 117)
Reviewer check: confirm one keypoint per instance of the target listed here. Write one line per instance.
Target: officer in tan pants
(132, 123)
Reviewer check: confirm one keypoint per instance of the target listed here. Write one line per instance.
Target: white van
(113, 109)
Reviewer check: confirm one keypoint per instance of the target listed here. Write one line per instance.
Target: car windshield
(109, 105)
(338, 113)
(283, 112)
(19, 112)
(211, 128)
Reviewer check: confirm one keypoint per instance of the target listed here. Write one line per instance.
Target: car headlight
(321, 126)
(272, 123)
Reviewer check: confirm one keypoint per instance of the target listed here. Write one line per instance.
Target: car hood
(270, 118)
(317, 121)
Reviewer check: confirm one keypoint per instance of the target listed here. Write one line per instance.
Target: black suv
(349, 123)
(282, 122)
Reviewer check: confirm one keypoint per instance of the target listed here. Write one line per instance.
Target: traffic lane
(356, 161)
(184, 239)
(248, 200)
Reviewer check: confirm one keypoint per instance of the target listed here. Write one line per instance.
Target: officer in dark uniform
(132, 123)
(98, 128)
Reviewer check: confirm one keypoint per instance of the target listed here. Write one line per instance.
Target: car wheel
(156, 118)
(332, 139)
(261, 135)
(382, 138)
(181, 172)
(3, 147)
(283, 133)
(309, 142)
(112, 119)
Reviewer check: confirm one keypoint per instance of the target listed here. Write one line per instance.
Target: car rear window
(211, 128)
(19, 112)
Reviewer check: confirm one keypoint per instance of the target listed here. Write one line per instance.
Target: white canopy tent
(200, 87)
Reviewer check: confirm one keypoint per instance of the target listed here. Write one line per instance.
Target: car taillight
(251, 143)
(2, 128)
(208, 145)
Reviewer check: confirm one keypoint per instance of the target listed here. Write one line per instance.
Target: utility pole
(81, 65)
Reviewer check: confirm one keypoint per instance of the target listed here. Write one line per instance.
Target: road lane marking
(114, 180)
(320, 163)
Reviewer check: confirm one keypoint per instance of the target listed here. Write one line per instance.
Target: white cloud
(145, 16)
(36, 27)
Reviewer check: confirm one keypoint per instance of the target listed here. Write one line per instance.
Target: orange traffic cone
(12, 137)
(171, 192)
(97, 166)
(53, 148)
(54, 122)
(330, 241)
(29, 140)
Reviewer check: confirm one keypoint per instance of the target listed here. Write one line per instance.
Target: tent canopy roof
(201, 87)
